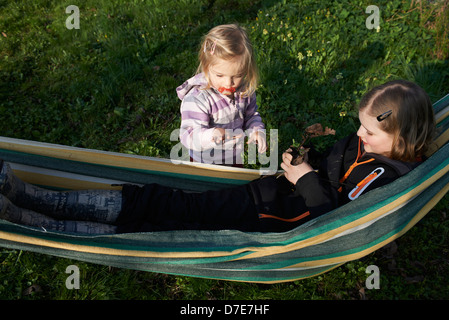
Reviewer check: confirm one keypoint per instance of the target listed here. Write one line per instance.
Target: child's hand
(261, 140)
(219, 136)
(294, 173)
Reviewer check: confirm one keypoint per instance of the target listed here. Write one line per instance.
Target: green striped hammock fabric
(344, 234)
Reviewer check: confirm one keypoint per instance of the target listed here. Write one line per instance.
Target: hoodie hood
(197, 82)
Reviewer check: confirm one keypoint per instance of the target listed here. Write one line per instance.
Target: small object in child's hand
(298, 154)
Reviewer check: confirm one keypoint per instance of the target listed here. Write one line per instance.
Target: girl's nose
(360, 132)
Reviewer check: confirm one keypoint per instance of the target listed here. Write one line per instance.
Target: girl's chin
(367, 148)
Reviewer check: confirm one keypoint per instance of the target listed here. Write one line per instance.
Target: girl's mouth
(223, 90)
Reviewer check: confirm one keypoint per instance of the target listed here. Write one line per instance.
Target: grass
(111, 85)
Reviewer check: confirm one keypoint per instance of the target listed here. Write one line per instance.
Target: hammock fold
(347, 233)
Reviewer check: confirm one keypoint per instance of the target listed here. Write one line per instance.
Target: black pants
(263, 205)
(155, 207)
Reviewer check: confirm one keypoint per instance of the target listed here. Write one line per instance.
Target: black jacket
(345, 173)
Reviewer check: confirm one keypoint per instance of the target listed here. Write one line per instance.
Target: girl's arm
(196, 134)
(253, 121)
(319, 197)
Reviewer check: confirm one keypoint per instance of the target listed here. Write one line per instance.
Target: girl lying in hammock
(397, 125)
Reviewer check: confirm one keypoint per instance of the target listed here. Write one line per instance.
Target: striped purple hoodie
(202, 110)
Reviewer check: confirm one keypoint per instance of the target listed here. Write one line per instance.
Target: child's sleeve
(195, 133)
(253, 120)
(319, 197)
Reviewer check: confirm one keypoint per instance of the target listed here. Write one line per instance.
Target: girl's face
(226, 75)
(375, 140)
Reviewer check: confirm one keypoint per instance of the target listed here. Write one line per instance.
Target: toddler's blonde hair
(228, 42)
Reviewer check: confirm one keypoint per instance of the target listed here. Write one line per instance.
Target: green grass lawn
(110, 85)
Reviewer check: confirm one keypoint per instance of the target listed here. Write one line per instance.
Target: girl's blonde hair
(404, 110)
(228, 42)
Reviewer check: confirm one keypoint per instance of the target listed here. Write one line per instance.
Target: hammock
(344, 234)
